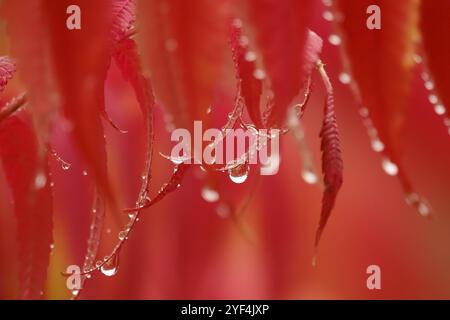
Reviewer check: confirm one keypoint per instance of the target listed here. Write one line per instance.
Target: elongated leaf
(32, 60)
(123, 12)
(184, 45)
(81, 59)
(381, 64)
(331, 158)
(435, 15)
(281, 32)
(250, 86)
(7, 70)
(33, 207)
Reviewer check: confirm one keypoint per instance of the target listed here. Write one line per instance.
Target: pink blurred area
(182, 248)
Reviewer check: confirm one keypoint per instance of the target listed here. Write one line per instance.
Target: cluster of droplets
(434, 100)
(64, 164)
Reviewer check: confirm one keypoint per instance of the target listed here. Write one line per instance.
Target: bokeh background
(185, 248)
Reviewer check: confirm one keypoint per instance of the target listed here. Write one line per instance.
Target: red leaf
(123, 12)
(33, 207)
(32, 60)
(331, 157)
(250, 86)
(281, 31)
(7, 70)
(184, 45)
(81, 60)
(435, 15)
(381, 64)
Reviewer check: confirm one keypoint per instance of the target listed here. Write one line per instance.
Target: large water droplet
(250, 56)
(433, 99)
(389, 167)
(40, 181)
(309, 176)
(209, 194)
(111, 267)
(259, 74)
(429, 85)
(239, 174)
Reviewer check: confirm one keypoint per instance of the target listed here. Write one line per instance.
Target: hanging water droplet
(65, 166)
(345, 78)
(389, 167)
(259, 74)
(309, 176)
(239, 174)
(377, 145)
(439, 109)
(364, 112)
(250, 56)
(328, 15)
(433, 99)
(40, 181)
(334, 39)
(429, 85)
(122, 235)
(111, 267)
(209, 194)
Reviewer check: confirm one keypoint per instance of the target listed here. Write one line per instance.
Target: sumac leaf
(31, 191)
(281, 32)
(7, 70)
(381, 65)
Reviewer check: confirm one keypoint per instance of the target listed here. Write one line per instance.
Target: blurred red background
(183, 249)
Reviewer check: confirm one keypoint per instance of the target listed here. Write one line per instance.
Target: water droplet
(334, 39)
(377, 145)
(88, 275)
(175, 160)
(429, 85)
(52, 246)
(208, 111)
(98, 263)
(389, 167)
(85, 173)
(75, 293)
(239, 174)
(345, 78)
(132, 215)
(439, 109)
(40, 181)
(328, 15)
(108, 230)
(250, 56)
(259, 74)
(65, 166)
(421, 205)
(425, 76)
(111, 267)
(417, 58)
(210, 195)
(433, 99)
(309, 176)
(364, 112)
(122, 235)
(223, 210)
